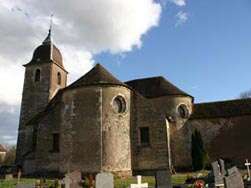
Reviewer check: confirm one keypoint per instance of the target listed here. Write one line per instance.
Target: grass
(177, 179)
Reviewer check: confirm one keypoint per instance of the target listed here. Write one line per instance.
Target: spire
(48, 39)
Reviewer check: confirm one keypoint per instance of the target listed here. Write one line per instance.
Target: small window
(183, 111)
(55, 144)
(59, 78)
(37, 75)
(119, 104)
(144, 135)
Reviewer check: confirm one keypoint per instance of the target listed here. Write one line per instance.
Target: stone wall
(224, 137)
(80, 130)
(153, 113)
(36, 96)
(54, 87)
(116, 142)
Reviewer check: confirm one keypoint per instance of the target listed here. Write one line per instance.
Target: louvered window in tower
(37, 75)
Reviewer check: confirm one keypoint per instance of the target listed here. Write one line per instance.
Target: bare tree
(10, 156)
(245, 94)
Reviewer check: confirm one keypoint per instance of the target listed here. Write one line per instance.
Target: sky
(202, 46)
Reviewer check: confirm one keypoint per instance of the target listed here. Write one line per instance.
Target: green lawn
(119, 183)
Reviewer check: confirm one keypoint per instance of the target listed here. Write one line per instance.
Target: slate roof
(47, 52)
(155, 87)
(223, 109)
(98, 75)
(2, 149)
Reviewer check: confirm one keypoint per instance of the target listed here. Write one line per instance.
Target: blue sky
(208, 56)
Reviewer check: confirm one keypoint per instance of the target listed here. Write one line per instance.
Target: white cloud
(82, 29)
(182, 18)
(179, 2)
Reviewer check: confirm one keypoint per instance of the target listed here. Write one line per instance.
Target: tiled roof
(155, 87)
(222, 109)
(98, 75)
(47, 52)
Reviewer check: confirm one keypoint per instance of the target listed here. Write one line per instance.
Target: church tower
(44, 76)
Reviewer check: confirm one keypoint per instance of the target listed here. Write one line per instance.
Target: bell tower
(44, 76)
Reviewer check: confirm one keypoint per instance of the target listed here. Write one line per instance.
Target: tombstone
(73, 180)
(219, 173)
(234, 179)
(139, 184)
(163, 179)
(8, 177)
(104, 180)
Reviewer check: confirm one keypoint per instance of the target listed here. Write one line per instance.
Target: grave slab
(234, 179)
(104, 180)
(163, 179)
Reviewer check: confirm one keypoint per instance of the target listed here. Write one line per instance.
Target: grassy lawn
(119, 183)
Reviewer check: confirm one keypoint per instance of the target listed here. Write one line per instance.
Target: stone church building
(99, 123)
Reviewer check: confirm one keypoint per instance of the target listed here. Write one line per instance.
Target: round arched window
(119, 104)
(59, 78)
(183, 111)
(37, 75)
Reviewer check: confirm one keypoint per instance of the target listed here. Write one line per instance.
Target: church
(99, 123)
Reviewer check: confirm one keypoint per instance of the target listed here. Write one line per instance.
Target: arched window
(183, 111)
(119, 104)
(59, 78)
(37, 75)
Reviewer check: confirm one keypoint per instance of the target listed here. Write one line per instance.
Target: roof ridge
(223, 101)
(157, 86)
(96, 76)
(146, 78)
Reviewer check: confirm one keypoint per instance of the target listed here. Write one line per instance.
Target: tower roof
(155, 87)
(47, 52)
(98, 75)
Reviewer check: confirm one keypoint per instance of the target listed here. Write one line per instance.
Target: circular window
(183, 111)
(119, 104)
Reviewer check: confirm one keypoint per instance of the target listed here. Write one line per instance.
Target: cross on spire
(48, 39)
(51, 23)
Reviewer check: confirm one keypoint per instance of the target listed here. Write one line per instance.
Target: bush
(199, 155)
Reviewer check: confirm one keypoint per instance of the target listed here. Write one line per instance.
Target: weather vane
(51, 22)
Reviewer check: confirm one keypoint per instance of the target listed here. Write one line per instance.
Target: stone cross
(139, 184)
(247, 164)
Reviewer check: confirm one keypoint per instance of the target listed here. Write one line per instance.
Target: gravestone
(139, 183)
(163, 179)
(234, 179)
(219, 172)
(8, 177)
(73, 180)
(104, 180)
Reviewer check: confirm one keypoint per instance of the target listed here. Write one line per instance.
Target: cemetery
(218, 177)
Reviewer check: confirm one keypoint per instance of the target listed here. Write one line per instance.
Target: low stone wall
(226, 137)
